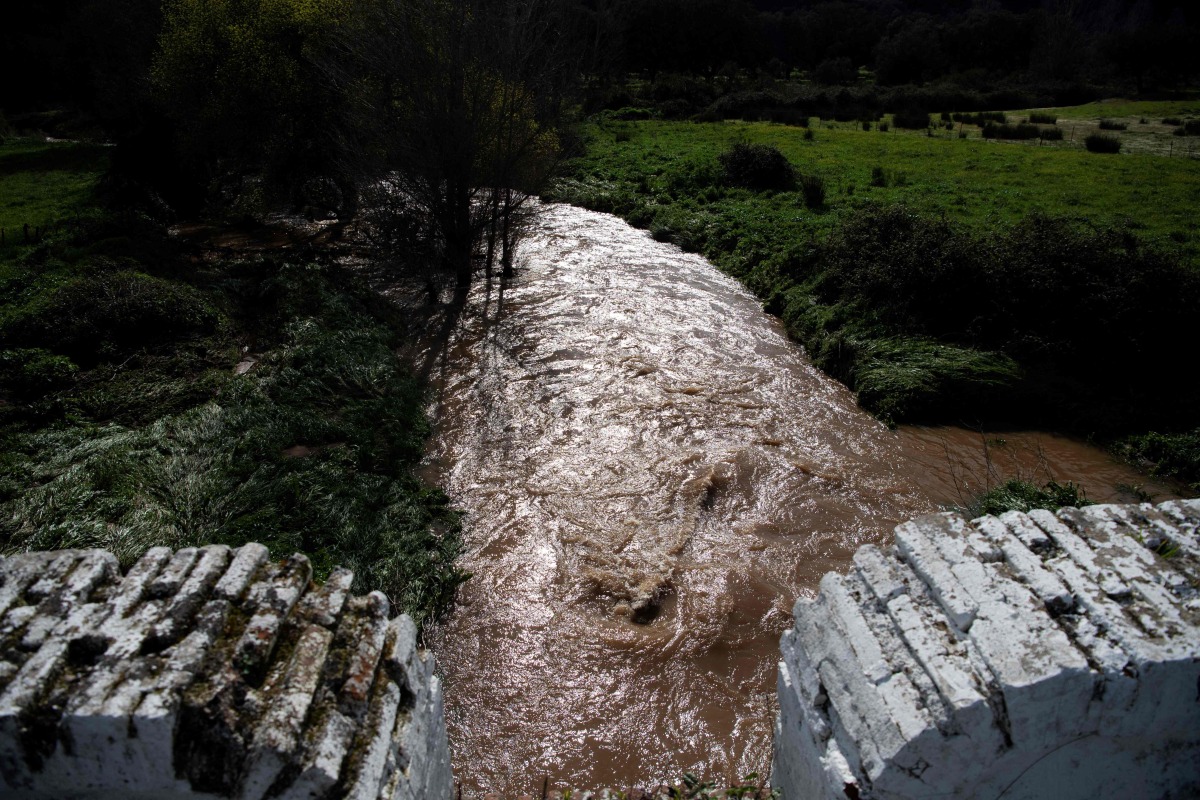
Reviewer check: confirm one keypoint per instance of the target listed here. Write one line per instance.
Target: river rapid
(652, 473)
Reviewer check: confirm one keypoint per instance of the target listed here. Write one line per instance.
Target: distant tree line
(443, 115)
(917, 41)
(446, 114)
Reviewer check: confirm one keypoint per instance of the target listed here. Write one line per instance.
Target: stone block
(209, 673)
(1026, 656)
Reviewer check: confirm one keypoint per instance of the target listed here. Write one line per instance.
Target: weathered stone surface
(209, 673)
(1026, 656)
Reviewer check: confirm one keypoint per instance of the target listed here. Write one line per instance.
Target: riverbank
(943, 279)
(154, 391)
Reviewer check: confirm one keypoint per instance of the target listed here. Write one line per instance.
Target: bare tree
(455, 103)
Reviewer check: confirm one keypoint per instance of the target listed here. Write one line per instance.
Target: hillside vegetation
(943, 279)
(124, 426)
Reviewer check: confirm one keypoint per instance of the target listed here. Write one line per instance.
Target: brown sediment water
(652, 473)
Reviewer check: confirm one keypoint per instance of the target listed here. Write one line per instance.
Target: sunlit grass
(45, 182)
(977, 182)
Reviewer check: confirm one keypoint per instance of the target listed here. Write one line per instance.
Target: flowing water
(652, 474)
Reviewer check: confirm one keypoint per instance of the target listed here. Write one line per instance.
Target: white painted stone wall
(206, 673)
(1027, 656)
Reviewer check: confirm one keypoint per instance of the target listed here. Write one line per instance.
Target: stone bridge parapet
(1029, 656)
(210, 672)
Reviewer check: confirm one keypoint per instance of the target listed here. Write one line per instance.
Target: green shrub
(878, 177)
(105, 316)
(1020, 131)
(1099, 143)
(1042, 118)
(31, 373)
(1020, 495)
(1189, 128)
(981, 118)
(1112, 125)
(866, 125)
(911, 120)
(813, 189)
(1173, 455)
(1051, 134)
(757, 166)
(883, 127)
(312, 451)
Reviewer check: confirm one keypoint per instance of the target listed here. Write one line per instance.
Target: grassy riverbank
(123, 424)
(943, 279)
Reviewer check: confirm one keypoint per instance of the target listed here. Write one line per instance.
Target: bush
(1051, 134)
(1172, 121)
(866, 125)
(981, 118)
(813, 188)
(221, 472)
(1019, 495)
(1174, 455)
(1099, 143)
(31, 373)
(883, 127)
(749, 105)
(1112, 125)
(878, 177)
(911, 120)
(1043, 119)
(809, 135)
(1020, 131)
(629, 114)
(104, 316)
(835, 71)
(757, 166)
(1189, 128)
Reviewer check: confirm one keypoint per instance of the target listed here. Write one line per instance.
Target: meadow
(945, 277)
(125, 425)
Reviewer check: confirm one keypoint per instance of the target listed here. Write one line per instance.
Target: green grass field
(43, 183)
(123, 425)
(939, 276)
(974, 181)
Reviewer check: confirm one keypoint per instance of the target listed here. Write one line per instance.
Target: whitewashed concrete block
(209, 673)
(1027, 656)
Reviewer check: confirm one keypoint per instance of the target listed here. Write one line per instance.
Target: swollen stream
(652, 474)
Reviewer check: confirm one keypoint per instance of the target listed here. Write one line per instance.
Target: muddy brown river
(652, 473)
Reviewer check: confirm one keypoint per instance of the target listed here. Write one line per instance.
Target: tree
(240, 79)
(454, 104)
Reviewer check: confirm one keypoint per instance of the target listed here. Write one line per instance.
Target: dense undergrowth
(1016, 494)
(930, 304)
(123, 425)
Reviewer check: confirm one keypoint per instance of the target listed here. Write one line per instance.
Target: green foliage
(108, 315)
(1190, 127)
(1042, 118)
(1020, 495)
(1099, 143)
(813, 189)
(1020, 131)
(310, 452)
(1112, 125)
(967, 301)
(241, 80)
(1174, 455)
(45, 182)
(1051, 134)
(30, 373)
(759, 167)
(981, 118)
(911, 120)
